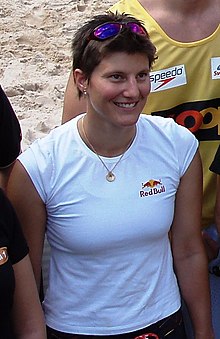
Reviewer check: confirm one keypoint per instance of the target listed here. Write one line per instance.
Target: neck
(105, 142)
(189, 20)
(181, 5)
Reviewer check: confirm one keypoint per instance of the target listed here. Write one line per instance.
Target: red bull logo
(152, 187)
(151, 183)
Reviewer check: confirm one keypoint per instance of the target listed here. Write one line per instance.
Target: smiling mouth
(126, 105)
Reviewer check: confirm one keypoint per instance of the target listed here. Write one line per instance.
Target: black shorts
(171, 327)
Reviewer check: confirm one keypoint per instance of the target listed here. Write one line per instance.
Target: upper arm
(27, 312)
(72, 106)
(31, 213)
(186, 227)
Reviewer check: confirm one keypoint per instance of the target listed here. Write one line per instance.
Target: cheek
(107, 93)
(98, 88)
(145, 89)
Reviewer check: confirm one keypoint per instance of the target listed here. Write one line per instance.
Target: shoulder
(166, 128)
(160, 122)
(45, 154)
(7, 111)
(10, 132)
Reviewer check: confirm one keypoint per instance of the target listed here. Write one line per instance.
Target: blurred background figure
(10, 138)
(215, 168)
(21, 314)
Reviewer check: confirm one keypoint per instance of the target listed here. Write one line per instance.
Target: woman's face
(118, 88)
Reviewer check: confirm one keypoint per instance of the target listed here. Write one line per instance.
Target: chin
(130, 121)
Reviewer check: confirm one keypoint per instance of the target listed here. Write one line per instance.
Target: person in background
(10, 138)
(213, 232)
(108, 187)
(21, 314)
(215, 168)
(10, 141)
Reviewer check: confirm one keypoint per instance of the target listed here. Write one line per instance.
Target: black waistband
(159, 330)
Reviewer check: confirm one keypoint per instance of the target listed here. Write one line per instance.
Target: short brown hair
(88, 53)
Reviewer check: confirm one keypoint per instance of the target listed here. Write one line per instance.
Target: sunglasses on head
(111, 29)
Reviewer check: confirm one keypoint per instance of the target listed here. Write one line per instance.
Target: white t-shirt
(111, 264)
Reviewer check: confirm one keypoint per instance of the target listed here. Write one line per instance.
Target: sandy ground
(36, 57)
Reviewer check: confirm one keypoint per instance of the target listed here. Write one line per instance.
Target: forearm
(192, 273)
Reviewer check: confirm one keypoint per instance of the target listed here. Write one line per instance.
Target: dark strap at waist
(161, 329)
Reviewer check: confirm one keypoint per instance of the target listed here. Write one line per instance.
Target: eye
(116, 77)
(143, 76)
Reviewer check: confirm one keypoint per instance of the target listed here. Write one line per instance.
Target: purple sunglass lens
(107, 30)
(136, 28)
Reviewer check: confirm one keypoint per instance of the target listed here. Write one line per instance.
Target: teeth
(125, 105)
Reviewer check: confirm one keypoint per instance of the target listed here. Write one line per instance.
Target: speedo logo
(168, 78)
(215, 67)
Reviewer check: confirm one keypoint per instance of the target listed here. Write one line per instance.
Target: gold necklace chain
(110, 176)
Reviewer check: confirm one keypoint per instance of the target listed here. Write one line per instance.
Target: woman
(21, 314)
(108, 187)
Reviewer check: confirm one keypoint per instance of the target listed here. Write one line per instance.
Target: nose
(131, 89)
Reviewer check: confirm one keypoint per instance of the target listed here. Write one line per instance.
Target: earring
(84, 91)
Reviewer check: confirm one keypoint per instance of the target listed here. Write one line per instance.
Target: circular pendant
(110, 177)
